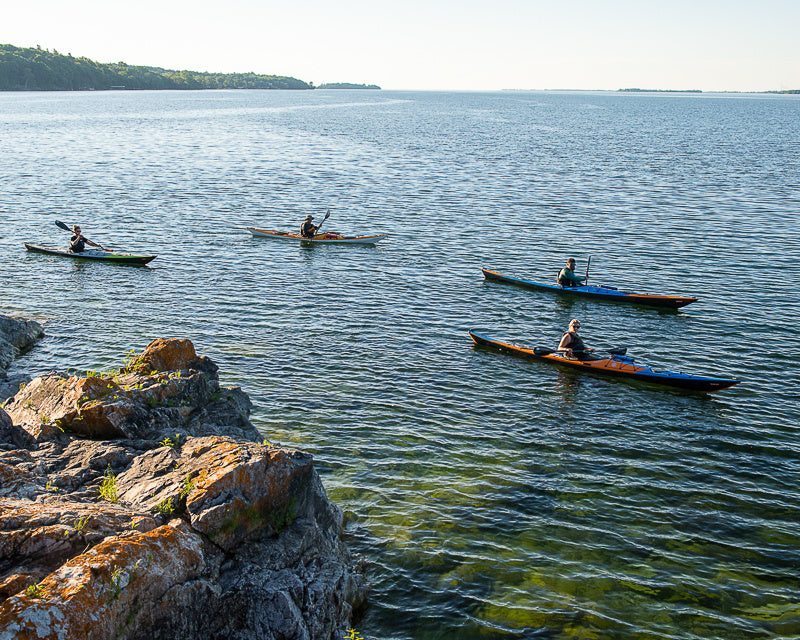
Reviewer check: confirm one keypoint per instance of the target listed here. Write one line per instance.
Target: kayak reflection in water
(77, 243)
(572, 346)
(307, 229)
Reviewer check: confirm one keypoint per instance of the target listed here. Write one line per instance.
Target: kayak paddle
(544, 351)
(327, 215)
(61, 225)
(588, 262)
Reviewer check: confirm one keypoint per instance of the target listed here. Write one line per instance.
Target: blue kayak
(617, 365)
(603, 292)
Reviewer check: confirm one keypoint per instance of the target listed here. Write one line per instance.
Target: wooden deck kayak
(92, 254)
(322, 238)
(617, 366)
(602, 293)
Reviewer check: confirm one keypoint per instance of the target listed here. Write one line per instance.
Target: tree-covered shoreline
(347, 85)
(36, 69)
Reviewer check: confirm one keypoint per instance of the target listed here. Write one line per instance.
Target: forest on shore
(347, 85)
(36, 69)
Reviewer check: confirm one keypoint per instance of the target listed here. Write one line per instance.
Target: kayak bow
(323, 238)
(616, 366)
(101, 256)
(602, 292)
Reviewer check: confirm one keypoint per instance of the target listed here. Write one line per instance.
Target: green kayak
(93, 254)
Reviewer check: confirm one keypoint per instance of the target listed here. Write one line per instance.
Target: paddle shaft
(327, 215)
(588, 262)
(544, 351)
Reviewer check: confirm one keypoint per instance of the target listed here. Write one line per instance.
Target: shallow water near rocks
(492, 497)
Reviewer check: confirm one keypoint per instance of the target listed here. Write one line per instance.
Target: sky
(710, 45)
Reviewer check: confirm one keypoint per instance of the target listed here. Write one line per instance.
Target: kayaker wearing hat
(567, 277)
(77, 243)
(307, 230)
(572, 344)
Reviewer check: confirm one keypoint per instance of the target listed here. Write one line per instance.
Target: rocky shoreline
(143, 504)
(16, 336)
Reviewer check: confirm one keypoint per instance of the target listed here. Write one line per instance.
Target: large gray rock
(16, 335)
(164, 531)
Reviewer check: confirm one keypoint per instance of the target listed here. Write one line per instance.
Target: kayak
(93, 254)
(603, 292)
(616, 365)
(322, 238)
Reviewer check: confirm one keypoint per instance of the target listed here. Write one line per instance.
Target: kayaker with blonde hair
(571, 343)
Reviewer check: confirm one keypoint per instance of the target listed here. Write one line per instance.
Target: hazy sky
(733, 45)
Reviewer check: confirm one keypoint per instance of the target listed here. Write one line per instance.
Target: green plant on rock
(131, 359)
(352, 634)
(108, 488)
(166, 507)
(118, 575)
(80, 523)
(169, 442)
(34, 590)
(188, 486)
(50, 486)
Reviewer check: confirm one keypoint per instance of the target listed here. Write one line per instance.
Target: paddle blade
(61, 225)
(619, 351)
(542, 351)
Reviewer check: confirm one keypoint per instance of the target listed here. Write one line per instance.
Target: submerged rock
(143, 505)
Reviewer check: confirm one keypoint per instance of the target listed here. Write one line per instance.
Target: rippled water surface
(492, 497)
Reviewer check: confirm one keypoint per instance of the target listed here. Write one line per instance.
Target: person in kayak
(571, 344)
(307, 229)
(77, 243)
(567, 277)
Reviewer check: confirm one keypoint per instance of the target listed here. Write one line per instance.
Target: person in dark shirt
(77, 243)
(307, 229)
(567, 277)
(572, 345)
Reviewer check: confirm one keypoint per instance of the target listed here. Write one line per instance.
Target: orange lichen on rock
(99, 594)
(164, 355)
(143, 504)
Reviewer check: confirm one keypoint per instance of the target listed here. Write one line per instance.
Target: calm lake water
(492, 497)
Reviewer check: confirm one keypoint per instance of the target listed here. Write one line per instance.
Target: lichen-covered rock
(11, 435)
(133, 404)
(169, 355)
(164, 531)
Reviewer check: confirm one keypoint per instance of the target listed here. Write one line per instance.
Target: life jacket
(77, 244)
(566, 281)
(576, 344)
(307, 230)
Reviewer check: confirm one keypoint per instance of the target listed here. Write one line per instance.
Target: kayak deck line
(322, 238)
(92, 254)
(603, 292)
(616, 366)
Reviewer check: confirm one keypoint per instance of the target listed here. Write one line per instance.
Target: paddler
(572, 345)
(77, 243)
(567, 276)
(307, 229)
